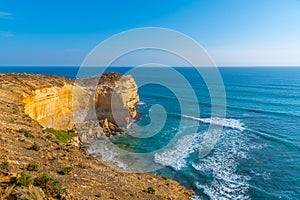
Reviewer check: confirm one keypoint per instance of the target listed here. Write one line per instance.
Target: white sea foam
(106, 153)
(175, 156)
(195, 197)
(222, 163)
(141, 103)
(228, 123)
(129, 125)
(264, 175)
(227, 183)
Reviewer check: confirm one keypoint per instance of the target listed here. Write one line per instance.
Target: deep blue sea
(257, 155)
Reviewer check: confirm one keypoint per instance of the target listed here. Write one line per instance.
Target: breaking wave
(221, 164)
(228, 123)
(175, 156)
(227, 182)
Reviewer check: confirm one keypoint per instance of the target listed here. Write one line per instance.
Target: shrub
(48, 136)
(21, 193)
(46, 178)
(150, 190)
(66, 170)
(24, 180)
(21, 130)
(82, 165)
(32, 166)
(4, 165)
(50, 186)
(35, 147)
(61, 135)
(28, 134)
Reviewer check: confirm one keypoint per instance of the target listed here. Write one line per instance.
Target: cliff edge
(39, 162)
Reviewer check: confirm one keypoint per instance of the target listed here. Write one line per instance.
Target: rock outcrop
(112, 101)
(116, 98)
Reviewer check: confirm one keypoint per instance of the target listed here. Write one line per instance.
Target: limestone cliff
(116, 98)
(113, 101)
(51, 107)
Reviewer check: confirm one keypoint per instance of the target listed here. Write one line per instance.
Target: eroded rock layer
(115, 99)
(112, 101)
(51, 107)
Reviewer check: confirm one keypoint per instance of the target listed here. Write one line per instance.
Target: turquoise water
(258, 153)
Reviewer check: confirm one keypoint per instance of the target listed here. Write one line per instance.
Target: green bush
(4, 165)
(61, 135)
(35, 147)
(150, 190)
(24, 180)
(27, 133)
(50, 185)
(46, 178)
(32, 166)
(48, 136)
(66, 170)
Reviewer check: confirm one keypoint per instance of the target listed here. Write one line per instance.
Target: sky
(234, 32)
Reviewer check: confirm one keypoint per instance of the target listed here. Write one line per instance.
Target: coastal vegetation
(66, 170)
(32, 166)
(61, 135)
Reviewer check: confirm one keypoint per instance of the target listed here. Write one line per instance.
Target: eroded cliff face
(113, 100)
(51, 107)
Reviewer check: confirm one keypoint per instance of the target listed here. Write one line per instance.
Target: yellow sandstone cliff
(53, 107)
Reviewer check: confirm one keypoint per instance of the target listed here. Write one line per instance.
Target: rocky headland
(45, 124)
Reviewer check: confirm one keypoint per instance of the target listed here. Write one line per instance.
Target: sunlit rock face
(113, 99)
(51, 107)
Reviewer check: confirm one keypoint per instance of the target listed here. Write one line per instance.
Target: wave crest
(175, 156)
(228, 123)
(227, 182)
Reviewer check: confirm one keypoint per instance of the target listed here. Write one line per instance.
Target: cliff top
(109, 78)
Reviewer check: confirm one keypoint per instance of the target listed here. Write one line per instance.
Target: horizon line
(151, 66)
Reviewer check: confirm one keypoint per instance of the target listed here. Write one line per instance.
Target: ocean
(257, 154)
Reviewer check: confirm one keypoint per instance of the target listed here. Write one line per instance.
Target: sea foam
(106, 152)
(175, 156)
(228, 123)
(227, 182)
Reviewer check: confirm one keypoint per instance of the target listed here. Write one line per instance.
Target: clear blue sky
(235, 32)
